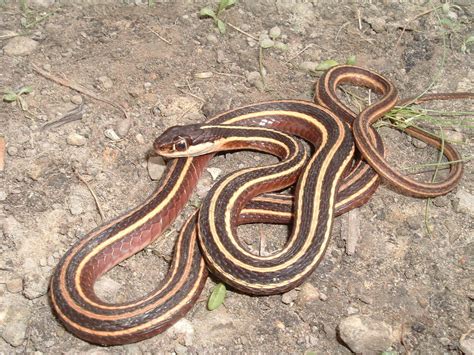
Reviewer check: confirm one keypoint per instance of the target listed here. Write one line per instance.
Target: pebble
(180, 349)
(36, 285)
(15, 285)
(105, 82)
(465, 203)
(12, 150)
(111, 134)
(15, 321)
(418, 143)
(454, 136)
(76, 206)
(215, 172)
(76, 139)
(365, 335)
(211, 38)
(183, 329)
(308, 294)
(289, 297)
(466, 343)
(140, 139)
(255, 79)
(43, 262)
(20, 46)
(275, 32)
(106, 288)
(147, 86)
(323, 297)
(76, 99)
(308, 66)
(123, 127)
(156, 167)
(3, 195)
(221, 56)
(40, 3)
(352, 310)
(441, 201)
(378, 24)
(445, 341)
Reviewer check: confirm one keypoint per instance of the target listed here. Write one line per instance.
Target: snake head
(184, 141)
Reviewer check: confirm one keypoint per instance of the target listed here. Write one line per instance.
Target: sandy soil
(400, 278)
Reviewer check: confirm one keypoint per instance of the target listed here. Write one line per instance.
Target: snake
(342, 184)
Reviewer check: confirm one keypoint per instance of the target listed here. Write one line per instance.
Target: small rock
(465, 203)
(466, 343)
(135, 91)
(139, 138)
(323, 297)
(15, 285)
(183, 328)
(12, 150)
(275, 32)
(40, 3)
(156, 167)
(308, 294)
(454, 136)
(20, 46)
(106, 288)
(221, 56)
(418, 143)
(3, 195)
(215, 172)
(255, 79)
(441, 201)
(352, 310)
(14, 321)
(36, 285)
(212, 38)
(378, 24)
(365, 335)
(105, 82)
(445, 341)
(75, 204)
(123, 127)
(147, 86)
(414, 222)
(289, 297)
(308, 66)
(180, 349)
(110, 134)
(76, 139)
(43, 262)
(76, 99)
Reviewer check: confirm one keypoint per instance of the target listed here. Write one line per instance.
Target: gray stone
(123, 127)
(308, 294)
(14, 285)
(36, 285)
(76, 139)
(365, 335)
(156, 167)
(289, 297)
(14, 313)
(20, 46)
(466, 343)
(465, 202)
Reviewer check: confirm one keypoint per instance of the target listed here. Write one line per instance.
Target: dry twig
(79, 88)
(96, 200)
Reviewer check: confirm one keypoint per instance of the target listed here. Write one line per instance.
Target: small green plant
(217, 297)
(16, 96)
(209, 12)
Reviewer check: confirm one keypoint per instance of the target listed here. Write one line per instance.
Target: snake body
(330, 184)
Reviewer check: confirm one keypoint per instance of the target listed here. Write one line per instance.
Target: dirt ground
(151, 60)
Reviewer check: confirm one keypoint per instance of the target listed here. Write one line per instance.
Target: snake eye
(180, 144)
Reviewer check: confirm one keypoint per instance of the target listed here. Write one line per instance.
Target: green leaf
(447, 22)
(10, 97)
(225, 4)
(469, 40)
(25, 90)
(207, 12)
(217, 297)
(326, 65)
(351, 60)
(221, 26)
